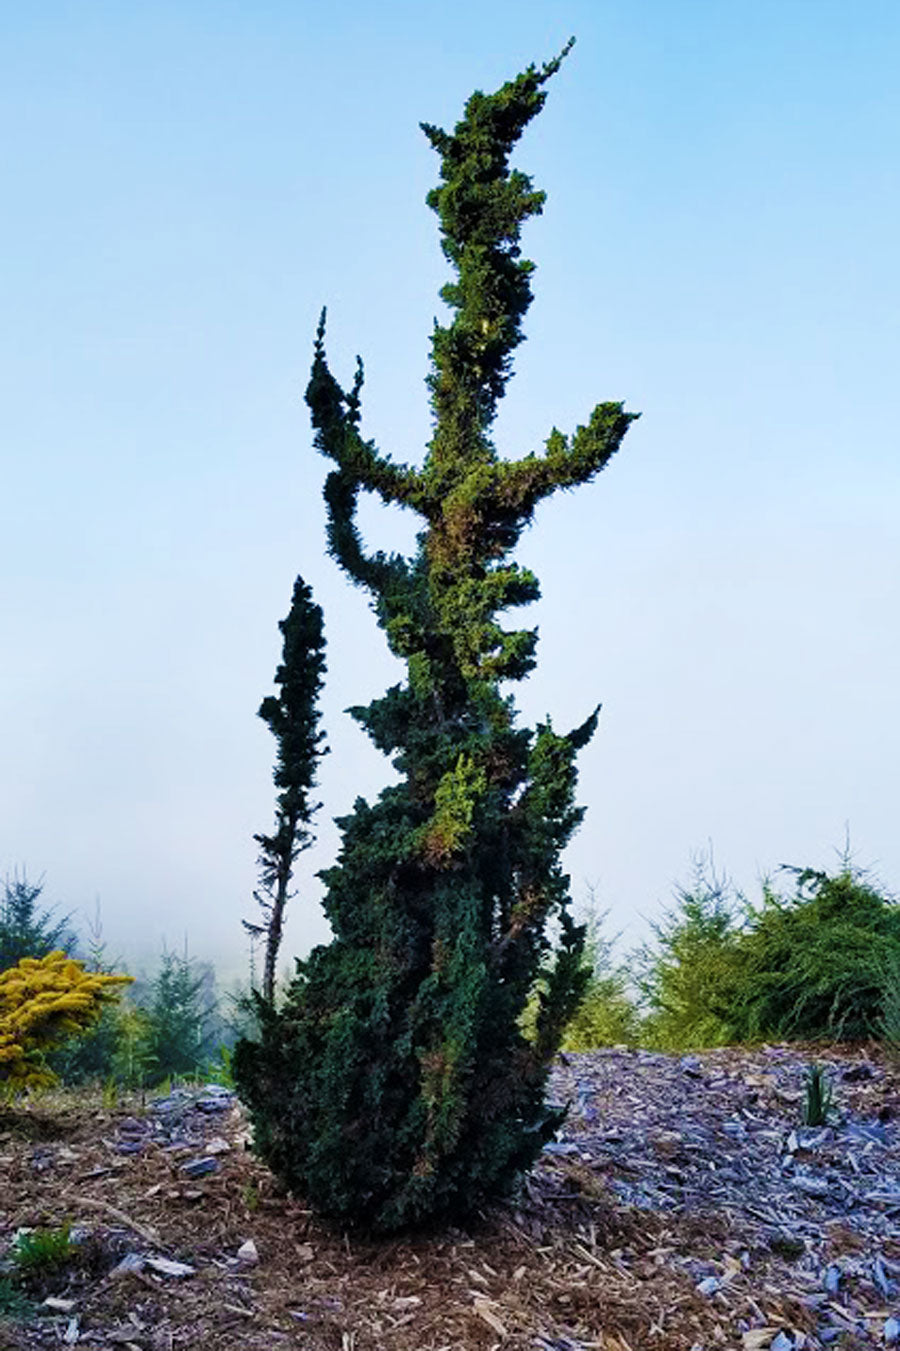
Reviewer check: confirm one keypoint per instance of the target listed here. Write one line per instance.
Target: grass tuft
(38, 1251)
(818, 1105)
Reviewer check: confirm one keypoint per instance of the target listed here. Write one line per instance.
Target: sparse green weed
(37, 1251)
(818, 1104)
(218, 1071)
(13, 1304)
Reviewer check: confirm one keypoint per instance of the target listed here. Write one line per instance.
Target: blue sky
(188, 183)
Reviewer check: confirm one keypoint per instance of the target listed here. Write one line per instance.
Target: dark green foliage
(175, 1032)
(686, 974)
(395, 1085)
(607, 1014)
(292, 717)
(36, 1252)
(120, 1051)
(13, 1302)
(172, 1025)
(92, 1057)
(889, 1031)
(25, 929)
(817, 964)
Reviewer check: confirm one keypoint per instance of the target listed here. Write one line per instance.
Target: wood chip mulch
(685, 1205)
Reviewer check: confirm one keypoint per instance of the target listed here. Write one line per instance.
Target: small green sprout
(819, 1102)
(36, 1251)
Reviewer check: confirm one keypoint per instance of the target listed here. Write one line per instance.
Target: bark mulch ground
(685, 1205)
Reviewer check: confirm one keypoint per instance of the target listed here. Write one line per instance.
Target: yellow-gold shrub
(43, 1002)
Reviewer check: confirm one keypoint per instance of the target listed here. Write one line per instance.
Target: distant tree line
(816, 961)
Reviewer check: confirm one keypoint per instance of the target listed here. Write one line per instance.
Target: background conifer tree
(177, 1014)
(395, 1085)
(92, 1056)
(26, 930)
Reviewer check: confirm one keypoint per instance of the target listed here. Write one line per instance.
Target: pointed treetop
(481, 205)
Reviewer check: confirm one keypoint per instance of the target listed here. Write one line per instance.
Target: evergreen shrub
(164, 1031)
(26, 929)
(44, 1002)
(91, 1057)
(292, 717)
(394, 1085)
(889, 1030)
(172, 1032)
(817, 964)
(686, 973)
(607, 1014)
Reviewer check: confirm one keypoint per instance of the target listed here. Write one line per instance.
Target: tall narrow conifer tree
(292, 717)
(395, 1086)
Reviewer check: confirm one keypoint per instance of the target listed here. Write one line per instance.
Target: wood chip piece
(130, 1265)
(758, 1339)
(95, 1203)
(485, 1311)
(164, 1266)
(241, 1309)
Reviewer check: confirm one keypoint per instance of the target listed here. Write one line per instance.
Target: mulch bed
(684, 1206)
